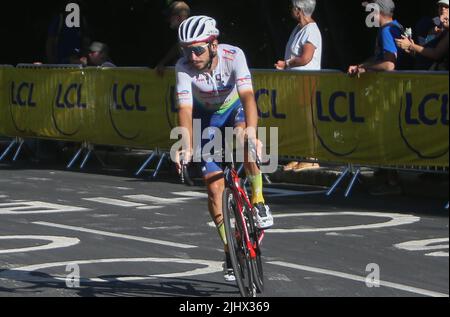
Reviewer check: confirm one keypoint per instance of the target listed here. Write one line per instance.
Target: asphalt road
(132, 237)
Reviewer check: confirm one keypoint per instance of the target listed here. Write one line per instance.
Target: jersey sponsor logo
(244, 80)
(230, 52)
(183, 93)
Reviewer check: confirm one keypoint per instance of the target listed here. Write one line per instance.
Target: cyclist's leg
(215, 184)
(252, 170)
(263, 214)
(213, 176)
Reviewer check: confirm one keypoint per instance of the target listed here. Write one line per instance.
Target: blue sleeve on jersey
(388, 36)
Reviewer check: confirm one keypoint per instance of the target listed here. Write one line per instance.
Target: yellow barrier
(379, 119)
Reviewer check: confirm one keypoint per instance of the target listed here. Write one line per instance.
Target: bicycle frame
(232, 180)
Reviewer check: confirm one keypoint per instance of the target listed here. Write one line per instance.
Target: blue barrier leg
(161, 161)
(18, 150)
(267, 179)
(75, 158)
(446, 207)
(240, 169)
(340, 179)
(88, 155)
(8, 149)
(147, 163)
(99, 159)
(352, 183)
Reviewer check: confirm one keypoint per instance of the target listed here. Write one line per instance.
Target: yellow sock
(222, 234)
(256, 181)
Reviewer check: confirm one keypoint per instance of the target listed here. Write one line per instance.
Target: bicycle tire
(240, 259)
(257, 266)
(185, 177)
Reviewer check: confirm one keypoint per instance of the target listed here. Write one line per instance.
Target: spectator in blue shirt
(387, 56)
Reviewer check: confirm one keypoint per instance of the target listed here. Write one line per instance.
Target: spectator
(62, 40)
(304, 49)
(435, 51)
(177, 13)
(78, 58)
(99, 55)
(387, 56)
(303, 52)
(428, 29)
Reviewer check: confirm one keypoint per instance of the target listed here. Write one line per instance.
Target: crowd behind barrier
(382, 119)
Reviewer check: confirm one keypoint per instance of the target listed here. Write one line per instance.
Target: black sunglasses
(197, 50)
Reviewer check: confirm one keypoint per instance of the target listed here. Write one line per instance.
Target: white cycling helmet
(197, 29)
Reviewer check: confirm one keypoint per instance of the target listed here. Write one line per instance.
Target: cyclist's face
(198, 54)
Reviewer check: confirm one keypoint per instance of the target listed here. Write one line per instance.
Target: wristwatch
(288, 63)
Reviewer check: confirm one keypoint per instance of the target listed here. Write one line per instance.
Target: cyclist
(214, 85)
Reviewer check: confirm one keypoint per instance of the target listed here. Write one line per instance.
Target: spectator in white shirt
(304, 49)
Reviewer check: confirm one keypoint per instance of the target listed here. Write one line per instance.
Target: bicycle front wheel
(240, 258)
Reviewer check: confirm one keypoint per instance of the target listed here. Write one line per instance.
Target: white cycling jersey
(219, 91)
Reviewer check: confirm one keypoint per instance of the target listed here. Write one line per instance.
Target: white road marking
(3, 196)
(361, 279)
(164, 228)
(191, 194)
(438, 254)
(113, 202)
(55, 243)
(35, 207)
(24, 273)
(116, 235)
(426, 245)
(116, 188)
(150, 207)
(37, 179)
(157, 200)
(396, 220)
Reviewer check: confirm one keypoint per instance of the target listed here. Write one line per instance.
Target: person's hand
(404, 43)
(356, 70)
(280, 65)
(182, 158)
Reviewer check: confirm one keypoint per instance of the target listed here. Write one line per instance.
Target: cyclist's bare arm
(185, 122)
(251, 111)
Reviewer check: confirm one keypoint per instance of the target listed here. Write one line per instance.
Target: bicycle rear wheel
(239, 253)
(254, 233)
(256, 263)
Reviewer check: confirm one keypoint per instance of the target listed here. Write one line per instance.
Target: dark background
(138, 33)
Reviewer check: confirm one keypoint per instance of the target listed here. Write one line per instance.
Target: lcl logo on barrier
(425, 115)
(130, 91)
(125, 97)
(22, 94)
(21, 99)
(339, 108)
(436, 100)
(68, 98)
(272, 94)
(333, 116)
(65, 96)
